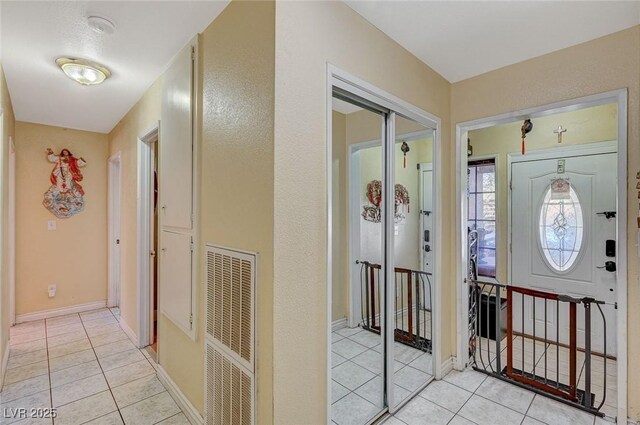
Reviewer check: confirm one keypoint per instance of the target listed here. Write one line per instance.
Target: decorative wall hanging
(405, 148)
(65, 197)
(374, 195)
(402, 201)
(560, 189)
(527, 126)
(559, 132)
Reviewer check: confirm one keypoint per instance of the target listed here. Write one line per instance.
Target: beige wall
(74, 257)
(604, 64)
(308, 35)
(237, 156)
(591, 125)
(8, 131)
(123, 139)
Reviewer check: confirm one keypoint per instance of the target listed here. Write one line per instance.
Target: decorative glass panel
(561, 228)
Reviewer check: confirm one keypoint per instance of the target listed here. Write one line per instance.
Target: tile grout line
(103, 374)
(46, 344)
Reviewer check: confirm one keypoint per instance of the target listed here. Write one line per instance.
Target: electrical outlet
(52, 290)
(52, 225)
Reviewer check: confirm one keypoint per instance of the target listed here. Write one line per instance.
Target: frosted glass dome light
(83, 71)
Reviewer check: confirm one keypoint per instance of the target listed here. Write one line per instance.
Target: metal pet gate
(539, 360)
(412, 304)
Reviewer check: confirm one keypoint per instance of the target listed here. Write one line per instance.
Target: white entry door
(426, 214)
(559, 235)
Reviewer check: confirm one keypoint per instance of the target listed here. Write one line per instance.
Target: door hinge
(193, 53)
(510, 184)
(191, 246)
(191, 319)
(418, 167)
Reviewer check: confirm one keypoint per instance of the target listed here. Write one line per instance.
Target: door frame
(12, 232)
(145, 190)
(114, 227)
(338, 78)
(619, 97)
(422, 166)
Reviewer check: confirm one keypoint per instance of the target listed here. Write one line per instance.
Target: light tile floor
(470, 397)
(85, 367)
(356, 385)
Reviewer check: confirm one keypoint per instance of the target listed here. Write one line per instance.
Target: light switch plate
(52, 225)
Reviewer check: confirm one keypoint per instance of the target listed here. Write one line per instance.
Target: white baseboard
(190, 412)
(5, 362)
(338, 324)
(55, 312)
(447, 366)
(130, 333)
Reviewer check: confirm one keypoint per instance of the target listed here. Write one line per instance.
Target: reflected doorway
(383, 251)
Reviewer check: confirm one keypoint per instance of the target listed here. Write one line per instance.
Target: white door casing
(113, 296)
(425, 238)
(583, 235)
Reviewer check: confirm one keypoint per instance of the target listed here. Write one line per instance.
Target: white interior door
(426, 226)
(558, 240)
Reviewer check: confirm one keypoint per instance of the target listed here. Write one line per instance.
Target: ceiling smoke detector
(101, 25)
(83, 71)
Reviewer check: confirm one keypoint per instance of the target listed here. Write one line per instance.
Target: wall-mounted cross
(559, 132)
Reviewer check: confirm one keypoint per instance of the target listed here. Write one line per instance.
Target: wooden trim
(573, 330)
(509, 332)
(533, 293)
(542, 387)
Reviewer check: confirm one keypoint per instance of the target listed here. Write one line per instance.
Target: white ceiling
(462, 39)
(344, 107)
(148, 35)
(457, 39)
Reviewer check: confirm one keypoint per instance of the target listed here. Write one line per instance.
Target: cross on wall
(559, 132)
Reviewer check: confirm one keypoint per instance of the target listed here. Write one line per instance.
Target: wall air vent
(230, 336)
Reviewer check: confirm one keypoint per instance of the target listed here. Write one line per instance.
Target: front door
(559, 234)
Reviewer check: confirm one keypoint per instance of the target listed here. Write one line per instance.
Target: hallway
(84, 366)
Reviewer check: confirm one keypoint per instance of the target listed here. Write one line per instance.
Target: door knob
(427, 248)
(609, 266)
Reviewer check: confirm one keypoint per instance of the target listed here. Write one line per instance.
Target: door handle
(609, 266)
(427, 248)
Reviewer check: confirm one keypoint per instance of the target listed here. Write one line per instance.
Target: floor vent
(230, 337)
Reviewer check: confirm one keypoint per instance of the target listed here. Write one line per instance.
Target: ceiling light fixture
(83, 71)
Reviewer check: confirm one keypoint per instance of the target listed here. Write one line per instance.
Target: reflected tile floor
(356, 368)
(84, 366)
(470, 397)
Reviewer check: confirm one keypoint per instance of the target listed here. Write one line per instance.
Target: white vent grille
(229, 391)
(230, 340)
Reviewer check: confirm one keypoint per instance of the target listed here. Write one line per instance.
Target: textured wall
(74, 257)
(8, 131)
(236, 155)
(308, 36)
(604, 64)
